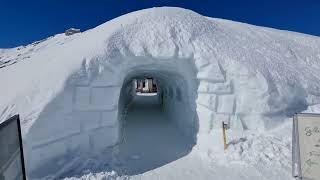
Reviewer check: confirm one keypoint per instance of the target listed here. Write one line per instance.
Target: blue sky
(25, 21)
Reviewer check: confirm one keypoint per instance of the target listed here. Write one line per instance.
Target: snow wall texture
(69, 91)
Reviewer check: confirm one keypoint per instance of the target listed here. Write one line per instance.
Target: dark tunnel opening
(156, 127)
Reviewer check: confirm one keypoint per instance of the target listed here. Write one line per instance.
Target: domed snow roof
(279, 69)
(67, 89)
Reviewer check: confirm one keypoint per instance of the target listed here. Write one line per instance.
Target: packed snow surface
(78, 110)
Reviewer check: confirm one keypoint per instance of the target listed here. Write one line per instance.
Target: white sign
(306, 146)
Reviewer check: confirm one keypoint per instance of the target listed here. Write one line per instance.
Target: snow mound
(72, 91)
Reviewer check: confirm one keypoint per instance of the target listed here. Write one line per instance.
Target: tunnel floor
(150, 139)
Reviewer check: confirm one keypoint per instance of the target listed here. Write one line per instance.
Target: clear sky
(25, 21)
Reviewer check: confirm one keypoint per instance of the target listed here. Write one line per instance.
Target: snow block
(48, 158)
(205, 116)
(64, 103)
(109, 118)
(82, 97)
(104, 98)
(106, 78)
(88, 120)
(211, 73)
(103, 138)
(43, 154)
(219, 118)
(216, 88)
(79, 142)
(236, 123)
(59, 128)
(96, 98)
(226, 104)
(207, 100)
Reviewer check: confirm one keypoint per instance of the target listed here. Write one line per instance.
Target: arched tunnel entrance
(100, 123)
(157, 128)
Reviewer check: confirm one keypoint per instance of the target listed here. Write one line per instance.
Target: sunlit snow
(81, 118)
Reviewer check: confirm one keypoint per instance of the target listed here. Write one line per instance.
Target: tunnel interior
(158, 127)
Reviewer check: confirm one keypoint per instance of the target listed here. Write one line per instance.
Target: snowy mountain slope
(252, 77)
(14, 55)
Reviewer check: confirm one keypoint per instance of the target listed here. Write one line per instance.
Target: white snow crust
(73, 95)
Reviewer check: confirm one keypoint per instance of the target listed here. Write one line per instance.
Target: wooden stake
(224, 127)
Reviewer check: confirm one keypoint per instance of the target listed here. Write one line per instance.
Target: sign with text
(11, 152)
(306, 146)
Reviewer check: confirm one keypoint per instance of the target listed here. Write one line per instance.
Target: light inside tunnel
(145, 87)
(159, 128)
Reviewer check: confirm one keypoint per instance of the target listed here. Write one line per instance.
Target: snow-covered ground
(81, 119)
(154, 150)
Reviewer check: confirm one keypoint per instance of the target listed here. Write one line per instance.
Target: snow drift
(71, 91)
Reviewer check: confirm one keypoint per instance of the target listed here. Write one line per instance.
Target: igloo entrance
(157, 127)
(99, 116)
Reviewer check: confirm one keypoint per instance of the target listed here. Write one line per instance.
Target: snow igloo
(77, 104)
(89, 116)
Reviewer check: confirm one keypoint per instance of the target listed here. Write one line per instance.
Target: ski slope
(76, 106)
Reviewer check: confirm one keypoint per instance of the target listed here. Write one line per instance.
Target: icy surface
(68, 89)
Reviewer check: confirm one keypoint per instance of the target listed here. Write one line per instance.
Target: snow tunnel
(98, 116)
(159, 128)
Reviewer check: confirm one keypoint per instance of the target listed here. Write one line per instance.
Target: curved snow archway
(177, 99)
(84, 120)
(156, 129)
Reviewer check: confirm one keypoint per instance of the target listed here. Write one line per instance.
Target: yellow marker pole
(224, 127)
